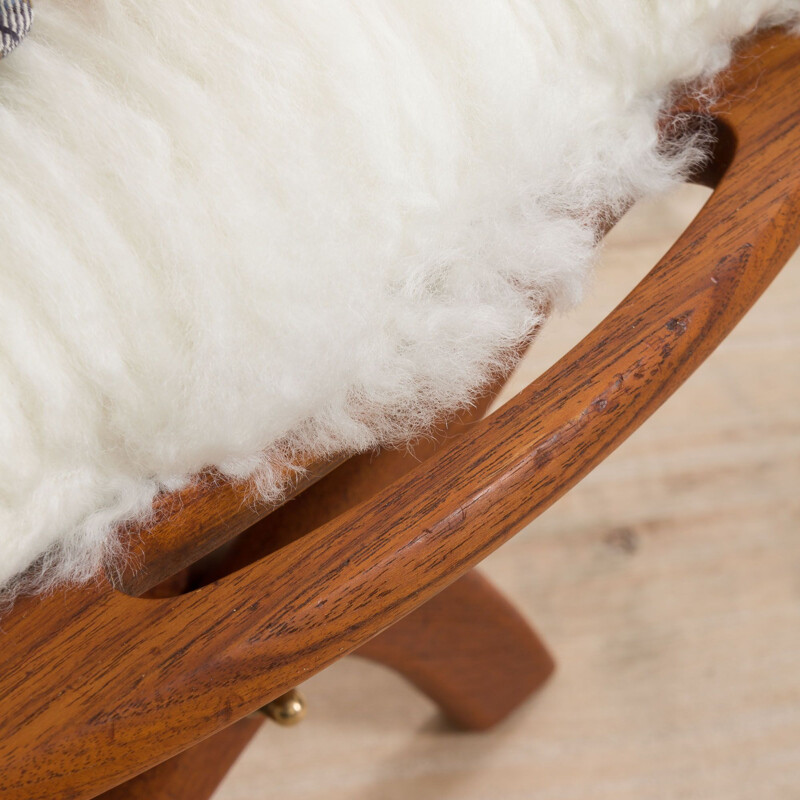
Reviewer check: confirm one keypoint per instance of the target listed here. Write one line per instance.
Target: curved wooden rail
(188, 524)
(97, 685)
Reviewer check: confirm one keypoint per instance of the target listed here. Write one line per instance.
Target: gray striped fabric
(15, 22)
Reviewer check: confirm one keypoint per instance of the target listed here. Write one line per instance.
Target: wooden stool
(102, 683)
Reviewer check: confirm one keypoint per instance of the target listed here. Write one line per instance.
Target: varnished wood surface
(172, 671)
(353, 482)
(195, 773)
(191, 523)
(468, 649)
(666, 583)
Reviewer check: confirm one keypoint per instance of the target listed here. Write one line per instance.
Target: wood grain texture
(98, 686)
(192, 522)
(666, 582)
(353, 482)
(196, 521)
(195, 773)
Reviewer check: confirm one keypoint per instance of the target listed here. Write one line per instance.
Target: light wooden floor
(667, 584)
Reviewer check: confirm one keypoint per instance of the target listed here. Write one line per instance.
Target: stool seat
(240, 237)
(116, 685)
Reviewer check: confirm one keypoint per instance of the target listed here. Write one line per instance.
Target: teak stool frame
(100, 683)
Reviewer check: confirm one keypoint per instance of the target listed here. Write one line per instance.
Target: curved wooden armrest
(129, 682)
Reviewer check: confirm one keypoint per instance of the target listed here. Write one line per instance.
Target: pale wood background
(667, 584)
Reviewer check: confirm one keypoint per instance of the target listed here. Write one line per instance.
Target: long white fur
(232, 231)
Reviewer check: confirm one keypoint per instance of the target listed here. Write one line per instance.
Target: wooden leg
(469, 650)
(195, 773)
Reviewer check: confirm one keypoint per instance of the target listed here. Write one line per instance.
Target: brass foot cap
(288, 709)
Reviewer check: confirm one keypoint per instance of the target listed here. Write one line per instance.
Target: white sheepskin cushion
(232, 231)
